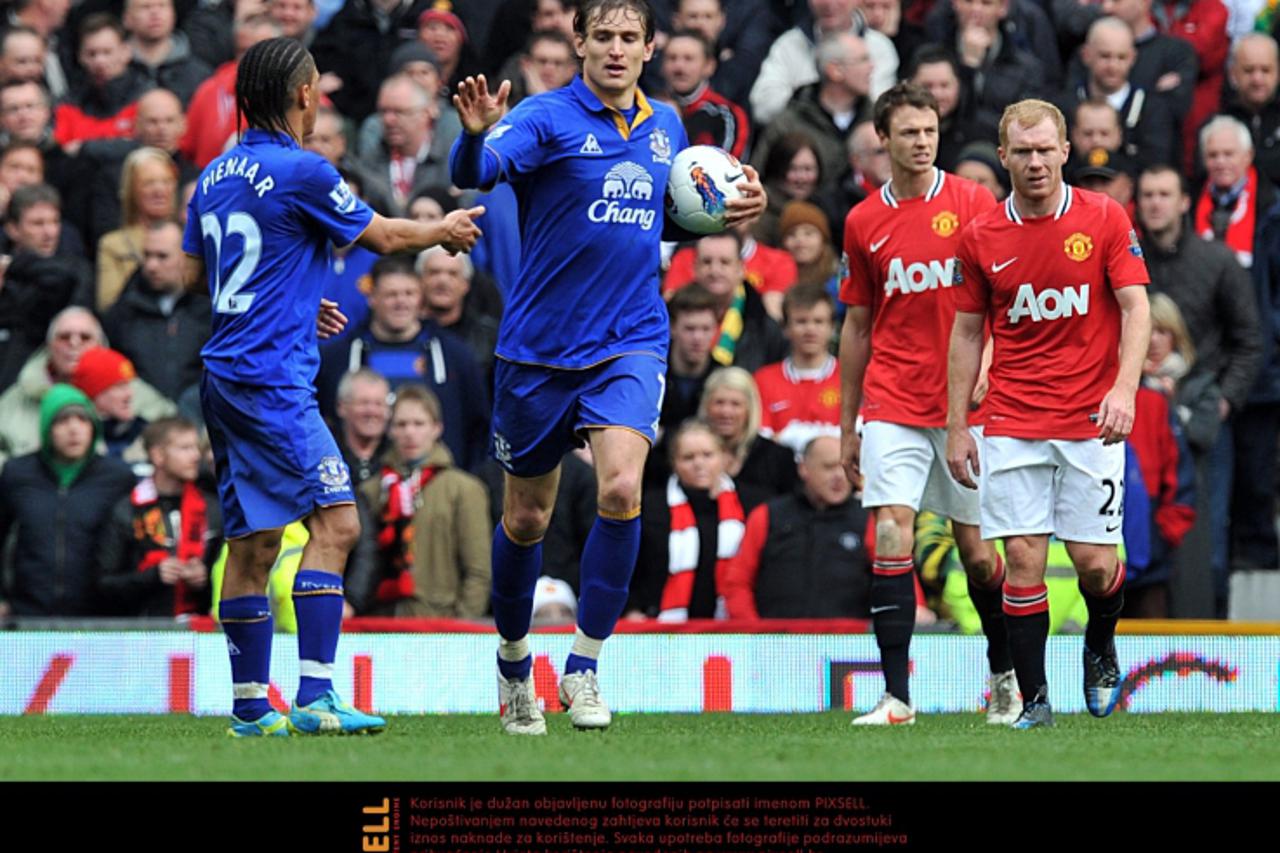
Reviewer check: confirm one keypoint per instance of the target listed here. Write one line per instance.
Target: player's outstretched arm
(457, 232)
(1115, 415)
(855, 352)
(478, 108)
(753, 201)
(964, 360)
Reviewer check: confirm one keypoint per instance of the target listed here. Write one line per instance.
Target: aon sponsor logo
(1048, 304)
(918, 277)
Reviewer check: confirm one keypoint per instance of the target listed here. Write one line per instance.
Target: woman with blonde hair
(731, 406)
(1193, 394)
(148, 196)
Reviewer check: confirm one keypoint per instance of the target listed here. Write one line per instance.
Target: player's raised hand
(851, 456)
(1115, 416)
(478, 108)
(962, 457)
(751, 204)
(461, 231)
(329, 321)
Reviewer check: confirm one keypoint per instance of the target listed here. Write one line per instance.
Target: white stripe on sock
(513, 651)
(315, 669)
(584, 646)
(249, 690)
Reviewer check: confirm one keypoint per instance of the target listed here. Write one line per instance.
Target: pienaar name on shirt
(626, 181)
(242, 167)
(918, 277)
(1048, 304)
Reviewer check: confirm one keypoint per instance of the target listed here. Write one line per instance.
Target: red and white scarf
(396, 531)
(684, 545)
(1240, 228)
(189, 536)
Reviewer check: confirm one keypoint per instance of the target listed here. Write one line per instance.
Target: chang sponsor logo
(627, 181)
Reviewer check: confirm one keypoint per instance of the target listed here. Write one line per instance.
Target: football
(703, 178)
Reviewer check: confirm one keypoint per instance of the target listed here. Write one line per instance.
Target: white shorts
(1072, 489)
(907, 466)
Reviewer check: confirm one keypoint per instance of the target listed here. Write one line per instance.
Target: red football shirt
(1045, 285)
(798, 406)
(899, 254)
(770, 270)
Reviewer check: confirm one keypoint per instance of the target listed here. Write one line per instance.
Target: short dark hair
(553, 36)
(391, 265)
(599, 8)
(99, 21)
(268, 74)
(690, 299)
(727, 234)
(157, 432)
(708, 49)
(899, 95)
(25, 198)
(931, 54)
(782, 153)
(1097, 103)
(14, 84)
(806, 296)
(1161, 169)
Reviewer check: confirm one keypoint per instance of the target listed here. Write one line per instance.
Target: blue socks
(608, 560)
(247, 623)
(317, 600)
(515, 574)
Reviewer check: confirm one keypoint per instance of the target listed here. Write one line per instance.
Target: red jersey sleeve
(855, 268)
(1125, 265)
(740, 574)
(969, 286)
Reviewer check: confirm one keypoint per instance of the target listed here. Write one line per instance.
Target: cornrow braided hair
(268, 75)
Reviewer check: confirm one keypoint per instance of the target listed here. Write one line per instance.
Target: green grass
(654, 747)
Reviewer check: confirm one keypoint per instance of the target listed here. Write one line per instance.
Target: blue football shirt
(589, 187)
(263, 218)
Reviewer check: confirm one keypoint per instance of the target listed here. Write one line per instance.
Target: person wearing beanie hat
(806, 234)
(106, 377)
(899, 248)
(57, 500)
(440, 29)
(979, 163)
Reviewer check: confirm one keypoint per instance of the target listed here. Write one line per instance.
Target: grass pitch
(736, 747)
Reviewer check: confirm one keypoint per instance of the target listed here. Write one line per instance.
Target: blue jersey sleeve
(325, 199)
(192, 237)
(521, 139)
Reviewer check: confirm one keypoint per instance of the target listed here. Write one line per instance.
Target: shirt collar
(591, 102)
(256, 136)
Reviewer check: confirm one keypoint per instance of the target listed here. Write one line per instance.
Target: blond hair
(1165, 317)
(735, 379)
(1028, 113)
(130, 213)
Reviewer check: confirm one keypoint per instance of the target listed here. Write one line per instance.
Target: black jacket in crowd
(35, 289)
(164, 347)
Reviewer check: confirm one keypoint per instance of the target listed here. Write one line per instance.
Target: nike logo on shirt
(997, 267)
(875, 247)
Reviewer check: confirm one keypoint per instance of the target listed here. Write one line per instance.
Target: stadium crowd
(110, 109)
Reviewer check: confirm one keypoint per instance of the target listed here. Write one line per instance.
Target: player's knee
(336, 527)
(620, 492)
(891, 538)
(250, 559)
(979, 563)
(1097, 573)
(526, 523)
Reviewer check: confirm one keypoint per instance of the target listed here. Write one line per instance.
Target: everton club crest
(660, 145)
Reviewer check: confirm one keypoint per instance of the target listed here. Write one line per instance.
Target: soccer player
(1057, 273)
(899, 245)
(259, 229)
(583, 342)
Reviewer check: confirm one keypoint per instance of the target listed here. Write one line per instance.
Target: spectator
(1166, 65)
(1006, 50)
(885, 16)
(688, 63)
(767, 269)
(148, 196)
(693, 333)
(162, 55)
(690, 528)
(411, 155)
(791, 172)
(37, 281)
(1203, 23)
(1254, 73)
(71, 332)
(1149, 128)
(105, 376)
(554, 603)
(804, 555)
(792, 60)
(160, 124)
(46, 18)
(740, 37)
(1193, 395)
(104, 105)
(155, 554)
(211, 115)
(806, 234)
(354, 51)
(20, 166)
(432, 525)
(748, 336)
(364, 411)
(546, 63)
(800, 395)
(22, 169)
(26, 115)
(935, 69)
(1097, 137)
(514, 20)
(443, 31)
(980, 162)
(398, 345)
(827, 110)
(731, 407)
(329, 139)
(868, 170)
(295, 18)
(22, 56)
(446, 284)
(58, 500)
(157, 322)
(416, 61)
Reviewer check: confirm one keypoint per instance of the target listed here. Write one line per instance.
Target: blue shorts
(276, 458)
(541, 413)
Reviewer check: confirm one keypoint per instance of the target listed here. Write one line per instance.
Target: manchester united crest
(1079, 246)
(945, 224)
